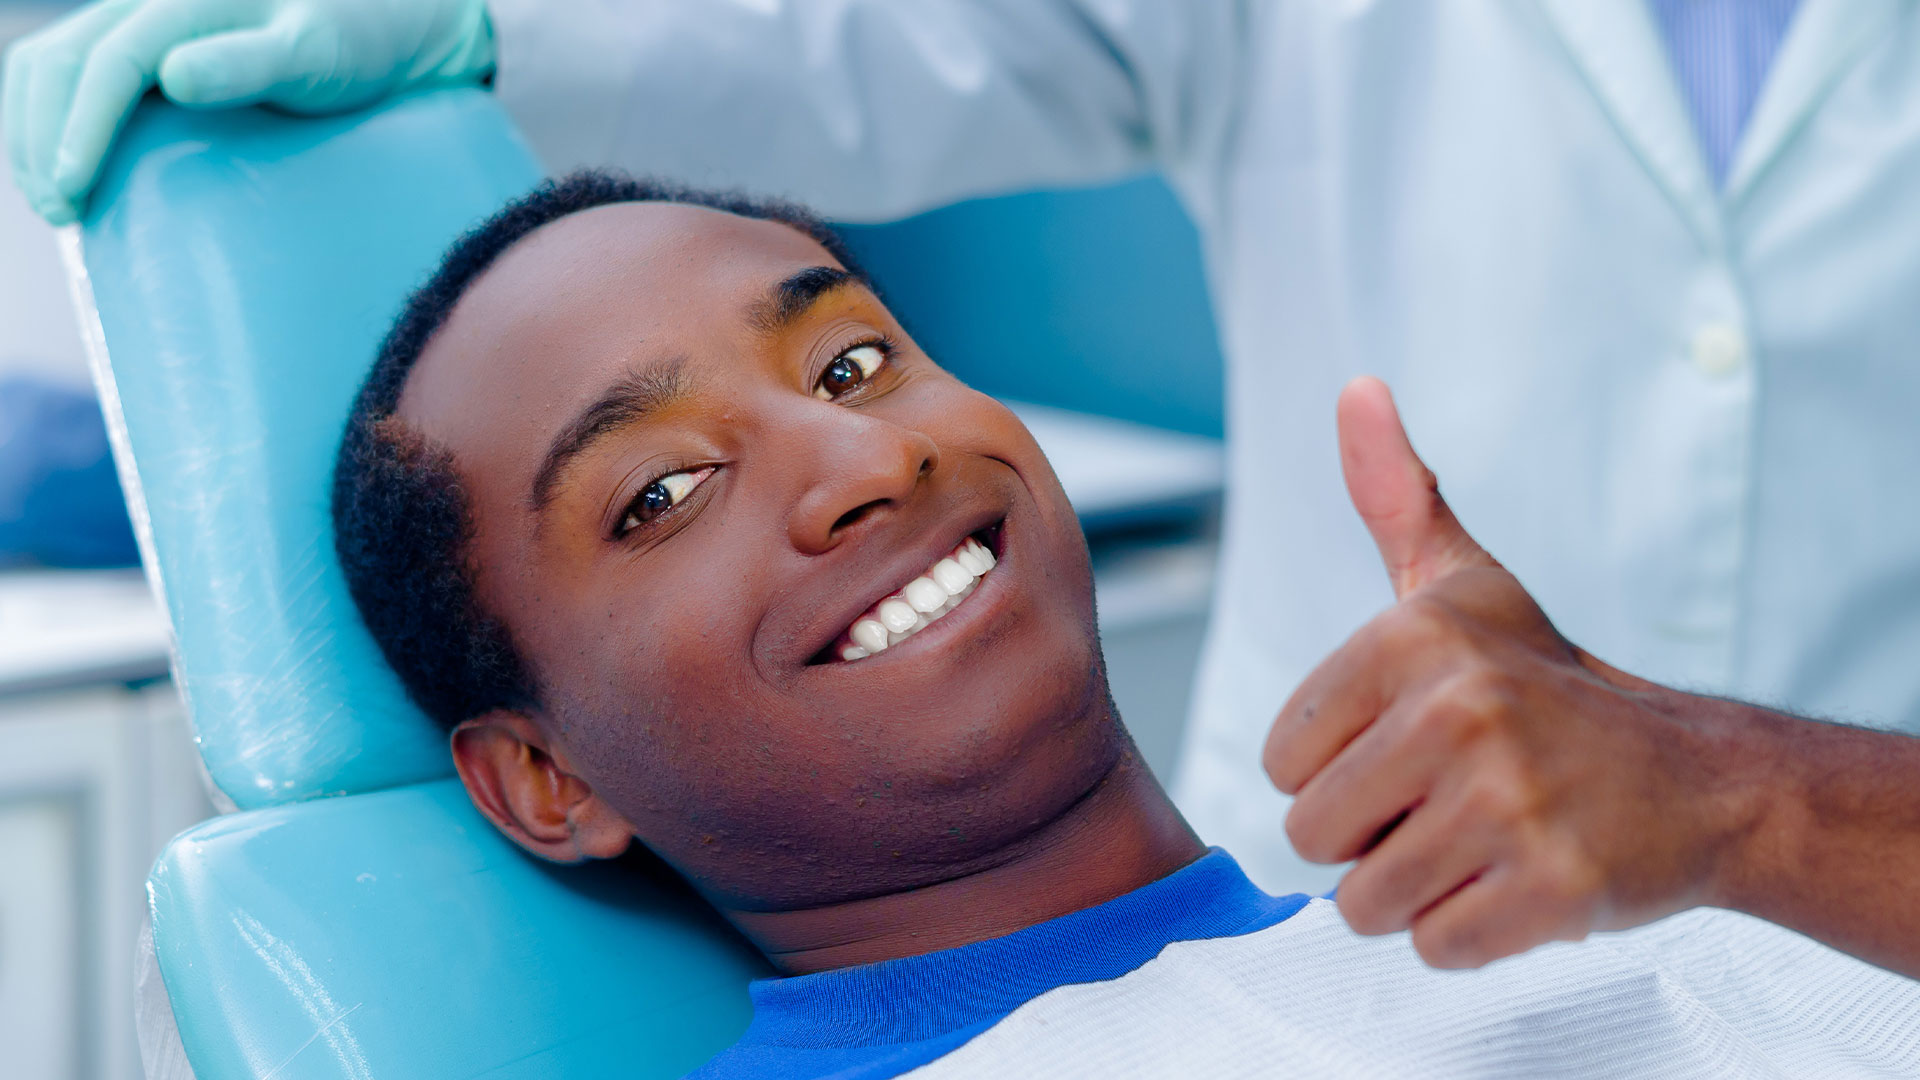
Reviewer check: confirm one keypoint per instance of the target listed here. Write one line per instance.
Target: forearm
(1831, 840)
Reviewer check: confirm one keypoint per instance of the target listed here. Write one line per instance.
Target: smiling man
(652, 502)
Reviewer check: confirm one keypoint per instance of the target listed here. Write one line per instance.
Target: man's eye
(661, 496)
(848, 370)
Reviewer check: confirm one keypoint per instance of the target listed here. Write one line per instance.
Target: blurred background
(1086, 307)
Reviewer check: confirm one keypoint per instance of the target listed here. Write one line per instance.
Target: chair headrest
(244, 266)
(399, 934)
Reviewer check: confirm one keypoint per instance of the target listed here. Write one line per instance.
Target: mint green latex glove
(71, 86)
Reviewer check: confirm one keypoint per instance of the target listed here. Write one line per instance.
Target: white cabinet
(40, 965)
(97, 771)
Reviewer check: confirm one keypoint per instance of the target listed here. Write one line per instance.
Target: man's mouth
(918, 604)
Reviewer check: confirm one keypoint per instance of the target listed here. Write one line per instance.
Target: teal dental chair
(243, 267)
(356, 918)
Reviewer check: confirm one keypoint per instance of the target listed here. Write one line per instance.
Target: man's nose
(858, 469)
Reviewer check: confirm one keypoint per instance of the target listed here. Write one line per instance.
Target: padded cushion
(245, 266)
(1091, 300)
(397, 934)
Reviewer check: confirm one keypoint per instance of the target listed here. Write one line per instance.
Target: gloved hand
(71, 86)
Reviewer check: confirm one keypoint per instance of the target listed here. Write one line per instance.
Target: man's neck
(1123, 834)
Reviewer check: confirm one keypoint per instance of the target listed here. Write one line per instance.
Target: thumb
(1396, 495)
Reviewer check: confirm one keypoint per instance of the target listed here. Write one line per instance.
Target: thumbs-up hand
(1499, 786)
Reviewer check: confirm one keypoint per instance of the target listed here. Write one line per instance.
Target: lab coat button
(1719, 349)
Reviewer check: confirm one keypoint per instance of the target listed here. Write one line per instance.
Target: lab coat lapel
(1620, 51)
(1824, 37)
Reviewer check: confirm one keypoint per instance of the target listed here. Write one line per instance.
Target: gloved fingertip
(69, 178)
(188, 83)
(56, 211)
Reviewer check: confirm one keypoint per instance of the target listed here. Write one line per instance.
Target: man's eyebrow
(626, 402)
(789, 299)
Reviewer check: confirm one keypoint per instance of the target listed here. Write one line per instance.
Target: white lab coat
(1685, 417)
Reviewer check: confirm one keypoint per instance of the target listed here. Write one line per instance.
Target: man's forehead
(578, 299)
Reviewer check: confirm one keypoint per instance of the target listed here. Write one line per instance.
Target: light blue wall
(1091, 300)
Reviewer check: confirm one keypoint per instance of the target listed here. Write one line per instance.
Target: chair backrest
(398, 934)
(1091, 300)
(244, 267)
(239, 269)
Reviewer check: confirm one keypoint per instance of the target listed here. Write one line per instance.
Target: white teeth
(980, 551)
(868, 634)
(897, 615)
(925, 595)
(924, 599)
(952, 578)
(969, 561)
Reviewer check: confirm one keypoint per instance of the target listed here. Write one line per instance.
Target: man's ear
(515, 778)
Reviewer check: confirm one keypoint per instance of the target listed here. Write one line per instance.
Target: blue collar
(925, 997)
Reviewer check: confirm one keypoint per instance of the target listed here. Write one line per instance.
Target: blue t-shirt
(880, 1020)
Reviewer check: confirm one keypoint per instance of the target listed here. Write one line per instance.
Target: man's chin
(944, 809)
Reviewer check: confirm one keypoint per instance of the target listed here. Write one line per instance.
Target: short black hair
(401, 521)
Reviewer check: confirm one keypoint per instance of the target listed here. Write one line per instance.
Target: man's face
(697, 456)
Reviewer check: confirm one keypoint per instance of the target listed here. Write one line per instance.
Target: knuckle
(1496, 800)
(1360, 903)
(1277, 757)
(1401, 630)
(1429, 722)
(1575, 932)
(1566, 881)
(30, 45)
(113, 64)
(1274, 763)
(1386, 632)
(46, 61)
(1419, 619)
(1445, 946)
(1308, 835)
(1442, 724)
(1305, 844)
(1478, 697)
